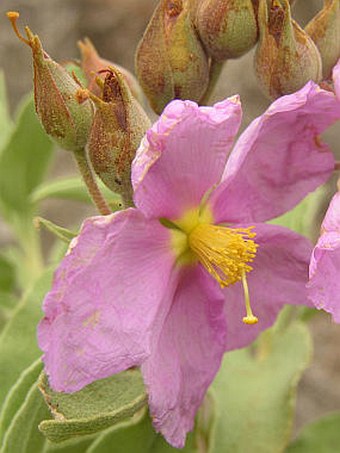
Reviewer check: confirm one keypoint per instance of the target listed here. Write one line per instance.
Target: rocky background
(115, 27)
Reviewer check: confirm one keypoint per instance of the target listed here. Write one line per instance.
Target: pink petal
(278, 159)
(183, 155)
(105, 300)
(279, 276)
(186, 356)
(324, 285)
(331, 221)
(336, 79)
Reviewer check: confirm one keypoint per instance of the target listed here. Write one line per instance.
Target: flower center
(226, 254)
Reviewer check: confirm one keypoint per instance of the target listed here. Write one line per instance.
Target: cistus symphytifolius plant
(175, 282)
(190, 269)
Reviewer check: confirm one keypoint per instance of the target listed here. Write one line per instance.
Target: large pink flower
(324, 283)
(163, 286)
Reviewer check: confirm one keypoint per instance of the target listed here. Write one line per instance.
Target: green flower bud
(286, 57)
(119, 124)
(170, 60)
(227, 28)
(92, 64)
(324, 29)
(64, 118)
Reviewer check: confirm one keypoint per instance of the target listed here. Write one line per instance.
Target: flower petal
(331, 221)
(336, 79)
(105, 299)
(278, 159)
(279, 276)
(324, 284)
(186, 356)
(183, 155)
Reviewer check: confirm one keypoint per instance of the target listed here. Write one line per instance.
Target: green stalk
(214, 74)
(91, 184)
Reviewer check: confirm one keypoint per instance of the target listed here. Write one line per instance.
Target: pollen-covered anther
(225, 252)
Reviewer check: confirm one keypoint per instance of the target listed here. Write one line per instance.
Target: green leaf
(22, 435)
(7, 303)
(17, 394)
(138, 436)
(73, 189)
(62, 233)
(24, 159)
(300, 219)
(5, 121)
(256, 392)
(94, 408)
(321, 436)
(7, 275)
(18, 345)
(78, 445)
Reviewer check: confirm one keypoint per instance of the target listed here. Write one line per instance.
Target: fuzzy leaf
(321, 436)
(73, 189)
(18, 345)
(300, 219)
(22, 435)
(256, 391)
(138, 436)
(62, 233)
(24, 159)
(5, 121)
(7, 274)
(78, 445)
(94, 408)
(7, 304)
(17, 394)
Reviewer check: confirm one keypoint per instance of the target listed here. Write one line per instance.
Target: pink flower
(324, 281)
(324, 284)
(336, 78)
(163, 286)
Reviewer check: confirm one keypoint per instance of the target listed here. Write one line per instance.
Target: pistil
(250, 318)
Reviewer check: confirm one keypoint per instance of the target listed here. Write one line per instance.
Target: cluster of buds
(184, 40)
(180, 56)
(102, 124)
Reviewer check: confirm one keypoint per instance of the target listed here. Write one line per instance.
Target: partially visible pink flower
(163, 286)
(336, 79)
(324, 270)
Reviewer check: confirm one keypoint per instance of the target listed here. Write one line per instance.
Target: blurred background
(115, 27)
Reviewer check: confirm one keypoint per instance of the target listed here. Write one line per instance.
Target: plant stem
(90, 181)
(214, 74)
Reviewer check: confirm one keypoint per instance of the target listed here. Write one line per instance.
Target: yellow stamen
(224, 252)
(250, 318)
(13, 17)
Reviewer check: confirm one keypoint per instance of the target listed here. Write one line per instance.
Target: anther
(13, 16)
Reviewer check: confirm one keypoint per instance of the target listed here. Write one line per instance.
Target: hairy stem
(90, 181)
(215, 71)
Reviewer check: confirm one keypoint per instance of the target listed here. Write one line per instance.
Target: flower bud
(170, 60)
(119, 124)
(92, 64)
(227, 28)
(324, 29)
(64, 119)
(286, 57)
